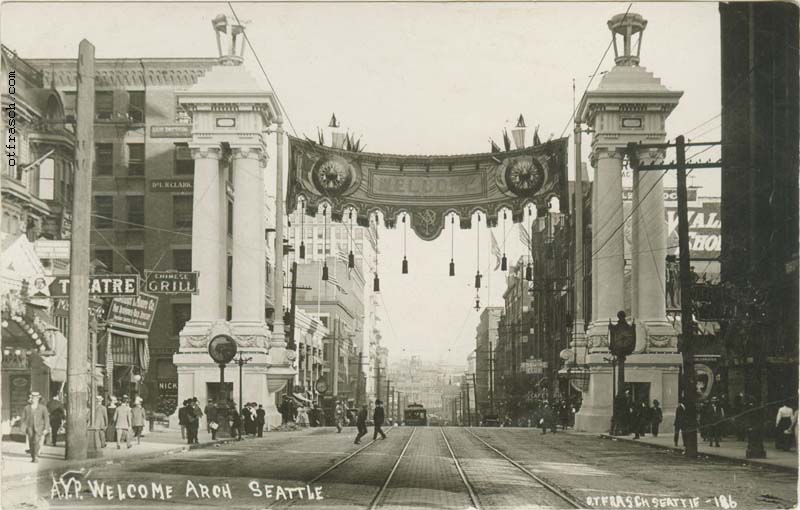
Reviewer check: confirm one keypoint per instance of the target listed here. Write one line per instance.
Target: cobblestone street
(414, 468)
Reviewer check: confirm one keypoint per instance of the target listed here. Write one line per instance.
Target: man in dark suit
(56, 411)
(361, 423)
(261, 416)
(377, 417)
(35, 421)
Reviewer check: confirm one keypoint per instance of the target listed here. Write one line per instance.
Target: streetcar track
(472, 496)
(574, 502)
(377, 499)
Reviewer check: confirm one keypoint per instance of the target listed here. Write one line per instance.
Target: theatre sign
(107, 285)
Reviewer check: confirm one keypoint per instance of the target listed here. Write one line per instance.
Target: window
(70, 106)
(184, 164)
(104, 158)
(230, 272)
(319, 250)
(103, 211)
(106, 257)
(136, 106)
(104, 105)
(182, 211)
(181, 313)
(182, 260)
(135, 159)
(47, 175)
(135, 210)
(136, 259)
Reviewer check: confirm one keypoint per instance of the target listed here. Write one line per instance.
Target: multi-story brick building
(485, 343)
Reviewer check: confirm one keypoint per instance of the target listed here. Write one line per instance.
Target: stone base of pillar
(597, 337)
(578, 345)
(596, 408)
(658, 370)
(656, 337)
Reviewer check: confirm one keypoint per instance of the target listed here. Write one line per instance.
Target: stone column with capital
(654, 332)
(608, 262)
(207, 223)
(249, 244)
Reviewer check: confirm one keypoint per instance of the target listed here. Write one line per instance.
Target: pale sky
(415, 79)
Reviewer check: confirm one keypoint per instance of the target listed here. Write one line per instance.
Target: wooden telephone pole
(686, 343)
(80, 246)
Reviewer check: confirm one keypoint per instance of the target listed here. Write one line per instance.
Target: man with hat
(122, 422)
(100, 422)
(377, 417)
(56, 411)
(35, 422)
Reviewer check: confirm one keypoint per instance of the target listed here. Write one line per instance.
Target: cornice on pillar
(250, 151)
(651, 156)
(206, 151)
(605, 151)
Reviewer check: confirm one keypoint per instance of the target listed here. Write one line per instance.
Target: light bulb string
(505, 228)
(452, 236)
(404, 234)
(478, 231)
(325, 235)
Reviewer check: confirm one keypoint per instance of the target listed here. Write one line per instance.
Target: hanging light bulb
(351, 258)
(477, 303)
(452, 244)
(504, 260)
(405, 261)
(478, 280)
(529, 272)
(302, 250)
(376, 284)
(325, 244)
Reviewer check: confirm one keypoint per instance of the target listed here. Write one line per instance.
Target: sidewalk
(17, 465)
(729, 449)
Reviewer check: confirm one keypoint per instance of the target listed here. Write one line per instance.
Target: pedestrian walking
(137, 419)
(57, 414)
(783, 426)
(261, 418)
(35, 421)
(207, 410)
(100, 422)
(302, 416)
(111, 432)
(198, 414)
(211, 419)
(643, 418)
(377, 418)
(657, 416)
(287, 415)
(123, 423)
(339, 417)
(680, 422)
(712, 422)
(183, 419)
(236, 421)
(361, 423)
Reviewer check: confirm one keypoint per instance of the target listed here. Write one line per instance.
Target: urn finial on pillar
(627, 25)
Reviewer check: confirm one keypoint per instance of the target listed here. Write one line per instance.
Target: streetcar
(415, 414)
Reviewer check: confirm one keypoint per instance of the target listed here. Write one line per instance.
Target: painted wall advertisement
(705, 226)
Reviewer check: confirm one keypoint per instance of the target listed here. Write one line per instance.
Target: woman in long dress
(302, 417)
(783, 426)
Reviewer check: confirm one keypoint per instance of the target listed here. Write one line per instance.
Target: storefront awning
(130, 349)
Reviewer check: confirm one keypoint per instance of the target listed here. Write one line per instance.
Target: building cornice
(111, 73)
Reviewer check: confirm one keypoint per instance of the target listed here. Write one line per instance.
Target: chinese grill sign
(171, 282)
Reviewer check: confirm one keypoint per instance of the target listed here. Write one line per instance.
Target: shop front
(34, 358)
(127, 352)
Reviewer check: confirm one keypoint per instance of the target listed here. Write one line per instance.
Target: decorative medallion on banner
(427, 188)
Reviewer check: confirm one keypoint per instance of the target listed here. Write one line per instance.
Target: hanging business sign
(174, 131)
(426, 187)
(133, 314)
(171, 282)
(107, 285)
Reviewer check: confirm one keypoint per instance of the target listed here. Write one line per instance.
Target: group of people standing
(637, 418)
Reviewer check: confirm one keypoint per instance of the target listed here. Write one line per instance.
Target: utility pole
(686, 344)
(475, 394)
(491, 375)
(335, 359)
(378, 378)
(358, 378)
(388, 396)
(689, 393)
(290, 345)
(469, 411)
(77, 375)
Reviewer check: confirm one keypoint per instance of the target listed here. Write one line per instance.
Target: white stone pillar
(207, 223)
(607, 251)
(654, 332)
(249, 245)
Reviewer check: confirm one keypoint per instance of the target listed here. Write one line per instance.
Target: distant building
(485, 343)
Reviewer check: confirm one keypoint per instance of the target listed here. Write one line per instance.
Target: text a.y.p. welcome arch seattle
(427, 188)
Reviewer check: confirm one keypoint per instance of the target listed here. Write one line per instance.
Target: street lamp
(241, 361)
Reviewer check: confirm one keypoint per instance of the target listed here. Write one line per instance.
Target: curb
(715, 456)
(101, 461)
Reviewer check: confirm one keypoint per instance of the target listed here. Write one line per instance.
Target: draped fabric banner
(426, 187)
